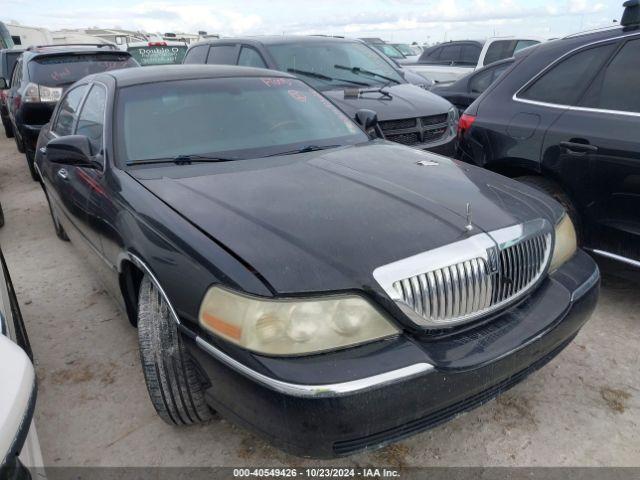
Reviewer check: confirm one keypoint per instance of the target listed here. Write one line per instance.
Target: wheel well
(130, 280)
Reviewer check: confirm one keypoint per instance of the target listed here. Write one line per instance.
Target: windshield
(58, 70)
(328, 60)
(389, 50)
(158, 55)
(404, 49)
(233, 118)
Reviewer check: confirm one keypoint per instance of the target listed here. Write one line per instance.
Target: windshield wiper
(358, 71)
(183, 160)
(188, 159)
(327, 78)
(308, 148)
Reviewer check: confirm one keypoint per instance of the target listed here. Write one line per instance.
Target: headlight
(452, 120)
(292, 327)
(566, 243)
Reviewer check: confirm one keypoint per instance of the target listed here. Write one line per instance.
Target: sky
(393, 20)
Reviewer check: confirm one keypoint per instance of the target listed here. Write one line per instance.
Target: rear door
(601, 133)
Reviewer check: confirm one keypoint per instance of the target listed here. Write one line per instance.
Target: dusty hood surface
(323, 221)
(407, 101)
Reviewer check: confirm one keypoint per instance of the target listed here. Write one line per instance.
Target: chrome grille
(416, 131)
(488, 272)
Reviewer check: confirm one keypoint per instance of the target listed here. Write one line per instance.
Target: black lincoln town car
(330, 291)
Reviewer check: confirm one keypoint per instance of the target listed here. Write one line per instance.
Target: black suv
(353, 75)
(565, 118)
(41, 75)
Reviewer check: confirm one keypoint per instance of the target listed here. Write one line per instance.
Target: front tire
(552, 188)
(173, 383)
(8, 129)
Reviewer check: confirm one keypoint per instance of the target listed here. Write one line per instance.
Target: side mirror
(71, 150)
(3, 84)
(367, 119)
(17, 400)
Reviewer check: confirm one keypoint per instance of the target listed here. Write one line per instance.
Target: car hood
(323, 221)
(406, 101)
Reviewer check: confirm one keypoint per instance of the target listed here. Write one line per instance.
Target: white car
(450, 61)
(20, 455)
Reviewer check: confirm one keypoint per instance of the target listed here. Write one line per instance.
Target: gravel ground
(583, 409)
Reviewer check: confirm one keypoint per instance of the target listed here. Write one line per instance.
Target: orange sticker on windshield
(298, 95)
(276, 82)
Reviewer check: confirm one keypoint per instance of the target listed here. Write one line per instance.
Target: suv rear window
(158, 55)
(59, 70)
(565, 82)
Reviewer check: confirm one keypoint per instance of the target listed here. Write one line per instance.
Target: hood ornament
(427, 163)
(469, 226)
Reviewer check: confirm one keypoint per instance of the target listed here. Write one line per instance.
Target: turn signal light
(465, 123)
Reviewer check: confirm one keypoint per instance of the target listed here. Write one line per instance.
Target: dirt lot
(581, 409)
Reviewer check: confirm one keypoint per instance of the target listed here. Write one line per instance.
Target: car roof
(134, 76)
(281, 39)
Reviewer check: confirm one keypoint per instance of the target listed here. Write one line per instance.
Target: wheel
(8, 129)
(552, 188)
(173, 383)
(32, 167)
(19, 144)
(60, 233)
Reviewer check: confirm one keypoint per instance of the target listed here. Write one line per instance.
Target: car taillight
(157, 44)
(465, 123)
(40, 93)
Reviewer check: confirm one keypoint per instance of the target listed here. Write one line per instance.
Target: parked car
(465, 91)
(8, 59)
(157, 52)
(564, 120)
(19, 446)
(351, 74)
(334, 293)
(411, 53)
(450, 61)
(41, 75)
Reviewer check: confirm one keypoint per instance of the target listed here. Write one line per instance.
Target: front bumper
(361, 398)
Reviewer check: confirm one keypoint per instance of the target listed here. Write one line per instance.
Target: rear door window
(450, 55)
(250, 57)
(480, 82)
(197, 54)
(566, 81)
(616, 88)
(223, 54)
(499, 50)
(470, 54)
(68, 111)
(91, 119)
(61, 70)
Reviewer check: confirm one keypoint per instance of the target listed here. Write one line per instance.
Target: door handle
(577, 147)
(63, 174)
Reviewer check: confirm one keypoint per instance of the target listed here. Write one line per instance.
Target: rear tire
(173, 383)
(8, 129)
(552, 188)
(32, 166)
(60, 233)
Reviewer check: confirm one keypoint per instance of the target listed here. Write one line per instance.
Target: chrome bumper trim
(619, 258)
(579, 292)
(328, 390)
